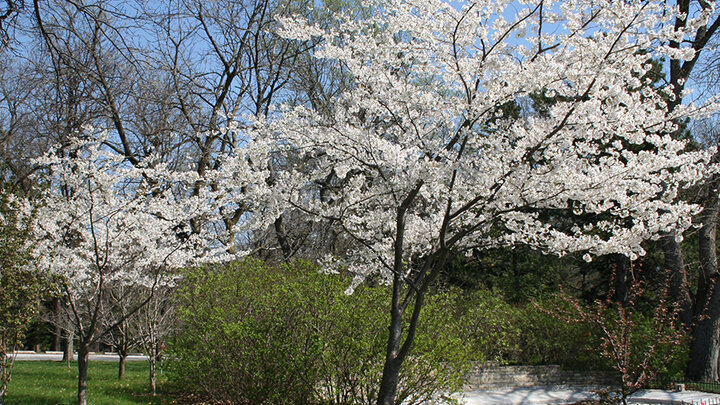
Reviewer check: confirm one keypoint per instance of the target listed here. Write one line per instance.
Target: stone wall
(484, 376)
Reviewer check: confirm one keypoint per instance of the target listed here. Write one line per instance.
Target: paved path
(525, 396)
(57, 356)
(688, 397)
(550, 395)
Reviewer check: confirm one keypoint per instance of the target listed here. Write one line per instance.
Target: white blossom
(426, 122)
(101, 219)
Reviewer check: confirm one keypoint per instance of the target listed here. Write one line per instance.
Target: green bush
(670, 358)
(549, 339)
(525, 334)
(256, 334)
(491, 326)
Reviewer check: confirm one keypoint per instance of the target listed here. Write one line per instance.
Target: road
(57, 356)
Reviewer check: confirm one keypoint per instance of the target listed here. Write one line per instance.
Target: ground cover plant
(52, 382)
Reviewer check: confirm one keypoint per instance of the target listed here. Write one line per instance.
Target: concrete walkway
(525, 396)
(688, 397)
(551, 395)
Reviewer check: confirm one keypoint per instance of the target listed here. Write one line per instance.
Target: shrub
(635, 343)
(491, 326)
(524, 334)
(547, 339)
(240, 339)
(253, 333)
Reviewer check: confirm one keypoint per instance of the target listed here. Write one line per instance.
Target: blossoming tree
(441, 147)
(102, 223)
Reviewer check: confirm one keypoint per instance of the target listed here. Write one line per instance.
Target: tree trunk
(675, 265)
(390, 379)
(398, 347)
(6, 363)
(121, 365)
(282, 238)
(622, 273)
(57, 338)
(68, 353)
(83, 357)
(703, 364)
(153, 359)
(391, 369)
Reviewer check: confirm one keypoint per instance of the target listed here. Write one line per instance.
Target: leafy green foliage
(253, 333)
(22, 286)
(518, 273)
(545, 339)
(527, 333)
(492, 326)
(635, 343)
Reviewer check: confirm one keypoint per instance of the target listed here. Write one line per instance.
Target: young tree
(101, 223)
(623, 331)
(122, 337)
(153, 325)
(437, 148)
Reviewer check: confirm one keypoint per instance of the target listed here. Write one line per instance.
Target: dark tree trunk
(408, 291)
(393, 361)
(121, 365)
(675, 266)
(621, 278)
(83, 357)
(282, 238)
(398, 347)
(703, 364)
(390, 379)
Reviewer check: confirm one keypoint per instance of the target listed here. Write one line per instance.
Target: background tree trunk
(152, 358)
(68, 352)
(703, 364)
(153, 376)
(621, 278)
(675, 266)
(57, 336)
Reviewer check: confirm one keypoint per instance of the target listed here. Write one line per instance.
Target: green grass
(51, 382)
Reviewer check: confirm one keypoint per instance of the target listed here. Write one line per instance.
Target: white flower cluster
(101, 220)
(467, 129)
(468, 125)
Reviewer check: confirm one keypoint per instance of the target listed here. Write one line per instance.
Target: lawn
(51, 382)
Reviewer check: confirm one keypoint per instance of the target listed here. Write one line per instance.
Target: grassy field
(48, 382)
